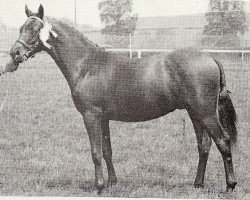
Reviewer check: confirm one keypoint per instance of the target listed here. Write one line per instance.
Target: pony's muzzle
(18, 53)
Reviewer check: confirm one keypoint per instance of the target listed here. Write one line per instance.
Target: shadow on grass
(135, 184)
(122, 185)
(87, 186)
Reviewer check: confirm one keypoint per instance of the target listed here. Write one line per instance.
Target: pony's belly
(139, 114)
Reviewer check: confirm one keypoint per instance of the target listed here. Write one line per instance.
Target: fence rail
(140, 51)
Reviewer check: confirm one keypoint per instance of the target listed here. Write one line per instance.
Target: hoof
(112, 182)
(231, 187)
(100, 188)
(199, 185)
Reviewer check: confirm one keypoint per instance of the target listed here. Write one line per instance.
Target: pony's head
(34, 36)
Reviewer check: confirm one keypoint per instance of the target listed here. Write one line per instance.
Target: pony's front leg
(107, 153)
(92, 120)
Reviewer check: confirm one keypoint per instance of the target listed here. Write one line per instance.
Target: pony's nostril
(17, 57)
(15, 53)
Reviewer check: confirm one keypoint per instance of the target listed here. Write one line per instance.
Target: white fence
(140, 51)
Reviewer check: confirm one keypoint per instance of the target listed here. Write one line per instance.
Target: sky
(12, 11)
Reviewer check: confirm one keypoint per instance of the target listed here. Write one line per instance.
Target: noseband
(31, 48)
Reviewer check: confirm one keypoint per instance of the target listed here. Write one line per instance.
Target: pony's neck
(69, 50)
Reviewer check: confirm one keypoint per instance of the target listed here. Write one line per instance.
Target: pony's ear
(40, 13)
(28, 11)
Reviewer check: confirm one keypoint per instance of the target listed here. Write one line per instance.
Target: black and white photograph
(125, 99)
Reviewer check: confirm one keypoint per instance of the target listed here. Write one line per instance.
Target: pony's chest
(88, 98)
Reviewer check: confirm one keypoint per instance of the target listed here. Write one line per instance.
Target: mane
(85, 41)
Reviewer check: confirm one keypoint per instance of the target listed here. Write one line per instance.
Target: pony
(106, 86)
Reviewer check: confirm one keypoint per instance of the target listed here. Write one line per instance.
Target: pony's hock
(107, 86)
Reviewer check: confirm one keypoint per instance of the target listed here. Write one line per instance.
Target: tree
(117, 17)
(225, 21)
(225, 17)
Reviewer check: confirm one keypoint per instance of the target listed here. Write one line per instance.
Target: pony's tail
(227, 114)
(228, 117)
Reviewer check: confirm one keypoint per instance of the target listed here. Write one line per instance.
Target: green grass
(44, 147)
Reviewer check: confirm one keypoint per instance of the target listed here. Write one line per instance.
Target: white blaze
(45, 34)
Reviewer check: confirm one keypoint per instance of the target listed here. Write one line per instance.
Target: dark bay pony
(106, 86)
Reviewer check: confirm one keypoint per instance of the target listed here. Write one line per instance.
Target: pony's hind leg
(204, 145)
(222, 141)
(107, 152)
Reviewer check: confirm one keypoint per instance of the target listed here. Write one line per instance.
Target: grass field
(44, 147)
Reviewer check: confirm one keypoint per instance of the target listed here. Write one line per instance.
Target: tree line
(224, 17)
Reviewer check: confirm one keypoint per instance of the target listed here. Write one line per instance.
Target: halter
(31, 48)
